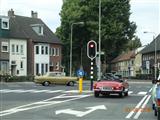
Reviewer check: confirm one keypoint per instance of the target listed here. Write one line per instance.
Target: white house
(41, 58)
(18, 57)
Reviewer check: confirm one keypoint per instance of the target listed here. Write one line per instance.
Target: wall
(42, 59)
(18, 57)
(55, 58)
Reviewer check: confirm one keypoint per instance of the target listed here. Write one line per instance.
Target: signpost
(92, 53)
(80, 74)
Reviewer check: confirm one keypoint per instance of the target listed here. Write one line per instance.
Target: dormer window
(5, 23)
(38, 28)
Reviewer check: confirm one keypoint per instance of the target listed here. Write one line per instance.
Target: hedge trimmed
(145, 76)
(9, 78)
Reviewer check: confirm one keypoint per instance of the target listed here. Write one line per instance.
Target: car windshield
(110, 78)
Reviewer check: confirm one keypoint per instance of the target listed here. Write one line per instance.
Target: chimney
(11, 13)
(34, 14)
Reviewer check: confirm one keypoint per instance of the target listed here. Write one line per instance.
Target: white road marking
(143, 106)
(39, 104)
(150, 90)
(142, 93)
(77, 91)
(130, 92)
(30, 91)
(81, 113)
(51, 91)
(62, 91)
(137, 106)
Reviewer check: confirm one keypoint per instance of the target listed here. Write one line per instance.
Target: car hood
(108, 83)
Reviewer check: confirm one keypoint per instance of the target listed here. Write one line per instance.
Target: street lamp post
(99, 71)
(71, 45)
(155, 54)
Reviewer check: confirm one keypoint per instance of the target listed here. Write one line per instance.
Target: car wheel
(126, 93)
(71, 83)
(46, 83)
(96, 94)
(121, 94)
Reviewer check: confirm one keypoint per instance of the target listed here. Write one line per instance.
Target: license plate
(106, 89)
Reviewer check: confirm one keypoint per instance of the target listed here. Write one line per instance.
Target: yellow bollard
(80, 85)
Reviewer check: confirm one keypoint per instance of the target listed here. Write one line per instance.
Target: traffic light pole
(92, 53)
(91, 74)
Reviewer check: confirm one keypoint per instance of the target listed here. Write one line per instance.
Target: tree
(116, 29)
(134, 43)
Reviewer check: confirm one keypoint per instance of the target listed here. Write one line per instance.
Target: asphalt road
(28, 101)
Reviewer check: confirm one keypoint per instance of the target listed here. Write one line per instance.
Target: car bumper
(108, 91)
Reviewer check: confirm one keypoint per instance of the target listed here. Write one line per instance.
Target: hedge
(9, 78)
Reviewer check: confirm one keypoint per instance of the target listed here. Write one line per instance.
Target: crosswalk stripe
(30, 91)
(142, 93)
(131, 93)
(55, 91)
(77, 91)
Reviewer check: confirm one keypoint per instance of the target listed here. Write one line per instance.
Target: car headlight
(117, 88)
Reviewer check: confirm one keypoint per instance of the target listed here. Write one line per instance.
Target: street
(28, 101)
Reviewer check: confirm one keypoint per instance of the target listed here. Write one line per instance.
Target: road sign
(91, 49)
(80, 73)
(81, 113)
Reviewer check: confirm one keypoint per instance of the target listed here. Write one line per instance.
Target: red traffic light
(91, 45)
(91, 49)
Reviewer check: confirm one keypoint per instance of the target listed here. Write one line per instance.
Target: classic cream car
(55, 78)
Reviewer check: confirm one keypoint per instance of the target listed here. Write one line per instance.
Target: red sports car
(109, 85)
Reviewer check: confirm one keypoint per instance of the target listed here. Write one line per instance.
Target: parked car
(55, 78)
(109, 85)
(116, 76)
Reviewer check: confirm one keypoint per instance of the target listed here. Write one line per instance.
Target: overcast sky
(146, 14)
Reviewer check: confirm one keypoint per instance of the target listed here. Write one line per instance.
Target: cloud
(144, 2)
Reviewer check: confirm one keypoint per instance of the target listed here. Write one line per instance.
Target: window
(21, 65)
(57, 51)
(57, 66)
(46, 67)
(37, 69)
(4, 65)
(17, 48)
(38, 28)
(46, 50)
(132, 62)
(21, 49)
(5, 23)
(42, 68)
(4, 47)
(50, 51)
(42, 50)
(53, 51)
(13, 48)
(37, 49)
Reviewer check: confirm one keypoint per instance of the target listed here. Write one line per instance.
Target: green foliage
(134, 43)
(116, 29)
(9, 78)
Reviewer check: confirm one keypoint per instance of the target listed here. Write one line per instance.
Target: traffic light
(91, 49)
